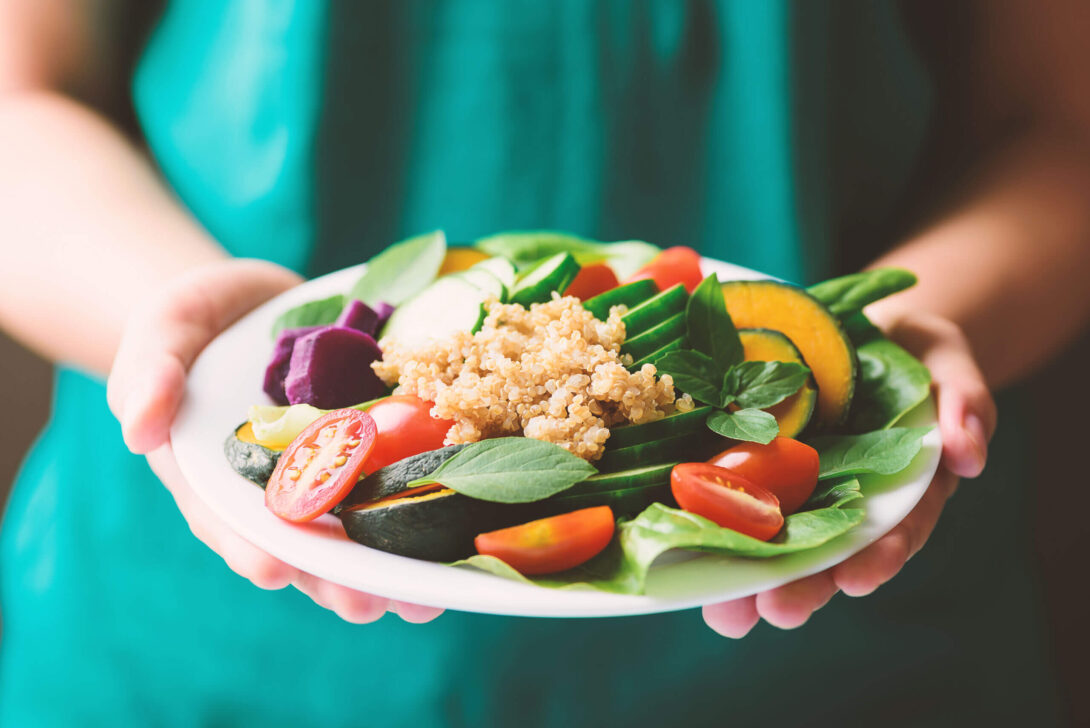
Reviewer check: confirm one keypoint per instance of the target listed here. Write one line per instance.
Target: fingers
(349, 604)
(415, 613)
(161, 341)
(733, 619)
(790, 605)
(880, 562)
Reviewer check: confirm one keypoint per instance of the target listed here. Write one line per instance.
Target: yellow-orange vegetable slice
(459, 259)
(811, 328)
(794, 413)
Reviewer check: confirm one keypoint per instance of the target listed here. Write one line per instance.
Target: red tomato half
(788, 468)
(673, 266)
(405, 428)
(321, 465)
(592, 279)
(551, 544)
(727, 499)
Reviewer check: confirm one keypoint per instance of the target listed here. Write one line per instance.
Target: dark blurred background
(1060, 396)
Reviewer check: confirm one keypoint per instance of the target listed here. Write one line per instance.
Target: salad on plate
(558, 410)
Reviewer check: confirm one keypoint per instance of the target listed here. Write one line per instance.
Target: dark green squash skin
(253, 462)
(393, 478)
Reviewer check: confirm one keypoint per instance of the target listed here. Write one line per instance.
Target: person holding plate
(153, 191)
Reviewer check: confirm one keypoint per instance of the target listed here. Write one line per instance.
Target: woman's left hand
(967, 417)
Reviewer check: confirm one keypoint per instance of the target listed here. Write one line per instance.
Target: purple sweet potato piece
(359, 316)
(277, 370)
(331, 368)
(384, 312)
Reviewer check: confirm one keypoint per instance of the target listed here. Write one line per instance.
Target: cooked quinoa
(552, 372)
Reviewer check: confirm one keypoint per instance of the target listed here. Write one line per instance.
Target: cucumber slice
(448, 305)
(552, 274)
(655, 310)
(655, 338)
(624, 502)
(670, 449)
(486, 281)
(622, 479)
(500, 267)
(655, 356)
(630, 295)
(679, 423)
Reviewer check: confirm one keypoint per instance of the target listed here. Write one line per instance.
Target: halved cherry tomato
(788, 468)
(672, 266)
(592, 279)
(321, 465)
(551, 544)
(405, 428)
(727, 499)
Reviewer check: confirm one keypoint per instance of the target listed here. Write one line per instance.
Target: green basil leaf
(695, 374)
(884, 451)
(848, 294)
(711, 330)
(751, 425)
(762, 384)
(891, 381)
(526, 248)
(402, 270)
(312, 313)
(622, 567)
(834, 493)
(510, 470)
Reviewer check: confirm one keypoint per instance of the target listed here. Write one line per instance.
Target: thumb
(163, 337)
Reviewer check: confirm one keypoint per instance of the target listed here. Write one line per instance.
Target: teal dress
(313, 134)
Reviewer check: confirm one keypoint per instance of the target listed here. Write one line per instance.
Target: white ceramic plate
(226, 379)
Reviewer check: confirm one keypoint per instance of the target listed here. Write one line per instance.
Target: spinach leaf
(510, 470)
(710, 328)
(762, 384)
(312, 313)
(891, 381)
(833, 493)
(524, 249)
(402, 270)
(623, 566)
(883, 451)
(848, 294)
(752, 425)
(694, 373)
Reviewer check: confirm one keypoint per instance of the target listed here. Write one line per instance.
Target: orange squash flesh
(811, 328)
(459, 259)
(794, 413)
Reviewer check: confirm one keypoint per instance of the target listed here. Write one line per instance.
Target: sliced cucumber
(448, 305)
(655, 310)
(656, 355)
(500, 267)
(679, 423)
(552, 274)
(486, 281)
(622, 479)
(655, 338)
(625, 502)
(630, 295)
(670, 449)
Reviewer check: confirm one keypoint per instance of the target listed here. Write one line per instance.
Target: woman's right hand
(146, 384)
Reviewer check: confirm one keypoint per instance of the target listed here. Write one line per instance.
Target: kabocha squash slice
(816, 333)
(248, 457)
(794, 413)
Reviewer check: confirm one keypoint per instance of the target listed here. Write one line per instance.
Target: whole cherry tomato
(673, 266)
(788, 468)
(405, 428)
(592, 279)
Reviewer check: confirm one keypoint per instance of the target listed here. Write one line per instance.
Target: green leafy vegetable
(525, 248)
(694, 373)
(752, 425)
(891, 381)
(833, 493)
(884, 451)
(623, 566)
(710, 329)
(402, 270)
(849, 294)
(762, 384)
(312, 313)
(510, 470)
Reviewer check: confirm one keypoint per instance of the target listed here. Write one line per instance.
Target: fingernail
(974, 428)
